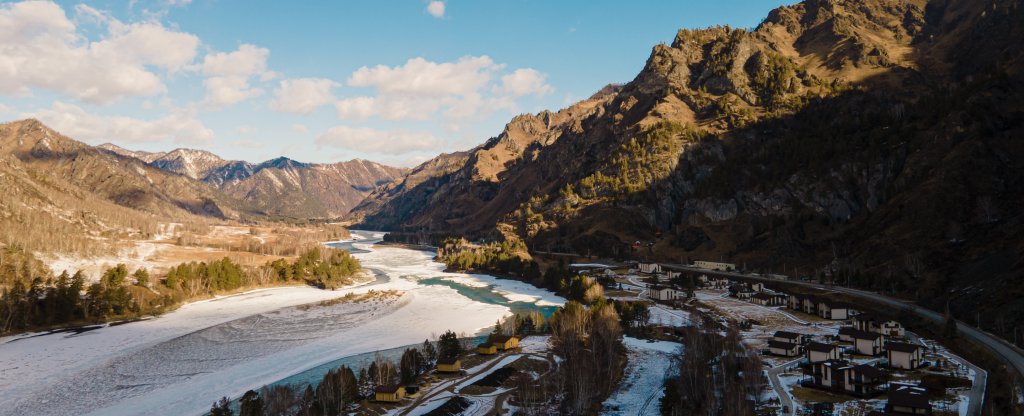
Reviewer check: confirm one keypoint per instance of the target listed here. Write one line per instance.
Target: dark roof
(448, 361)
(819, 347)
(902, 346)
(386, 389)
(787, 335)
(762, 295)
(847, 330)
(869, 370)
(780, 344)
(908, 396)
(858, 334)
(866, 316)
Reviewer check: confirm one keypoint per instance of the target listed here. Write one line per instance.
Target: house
(846, 333)
(719, 283)
(449, 365)
(904, 355)
(790, 337)
(702, 278)
(390, 394)
(864, 380)
(833, 310)
(810, 305)
(867, 343)
(891, 329)
(796, 302)
(783, 349)
(818, 352)
(671, 275)
(845, 377)
(487, 348)
(666, 294)
(505, 342)
(711, 265)
(650, 268)
(745, 294)
(757, 287)
(908, 399)
(768, 299)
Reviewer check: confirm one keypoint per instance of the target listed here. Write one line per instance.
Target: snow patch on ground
(181, 362)
(642, 385)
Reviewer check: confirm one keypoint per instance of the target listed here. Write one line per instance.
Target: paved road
(773, 377)
(1011, 354)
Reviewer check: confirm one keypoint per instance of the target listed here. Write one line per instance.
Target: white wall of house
(905, 361)
(867, 346)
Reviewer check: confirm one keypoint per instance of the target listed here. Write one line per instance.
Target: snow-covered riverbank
(181, 362)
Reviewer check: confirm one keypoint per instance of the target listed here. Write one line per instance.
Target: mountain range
(281, 186)
(873, 141)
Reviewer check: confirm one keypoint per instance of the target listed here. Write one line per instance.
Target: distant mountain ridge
(279, 186)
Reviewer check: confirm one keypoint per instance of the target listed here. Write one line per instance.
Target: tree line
(31, 298)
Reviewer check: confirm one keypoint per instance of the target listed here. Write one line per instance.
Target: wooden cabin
(487, 348)
(505, 342)
(389, 394)
(449, 365)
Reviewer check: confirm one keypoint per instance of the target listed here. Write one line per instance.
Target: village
(822, 355)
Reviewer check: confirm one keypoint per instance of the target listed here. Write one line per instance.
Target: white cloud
(303, 95)
(229, 74)
(369, 140)
(436, 9)
(300, 128)
(41, 48)
(525, 81)
(420, 88)
(422, 77)
(246, 129)
(180, 126)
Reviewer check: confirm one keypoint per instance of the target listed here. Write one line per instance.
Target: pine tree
(251, 404)
(221, 407)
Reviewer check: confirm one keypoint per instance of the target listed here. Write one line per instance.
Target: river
(181, 362)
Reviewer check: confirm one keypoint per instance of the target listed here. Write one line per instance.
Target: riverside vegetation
(32, 298)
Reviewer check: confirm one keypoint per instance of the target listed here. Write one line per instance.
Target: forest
(32, 298)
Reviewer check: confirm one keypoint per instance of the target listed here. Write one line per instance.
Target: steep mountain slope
(61, 195)
(870, 140)
(48, 155)
(280, 186)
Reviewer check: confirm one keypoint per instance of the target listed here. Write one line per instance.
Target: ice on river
(181, 362)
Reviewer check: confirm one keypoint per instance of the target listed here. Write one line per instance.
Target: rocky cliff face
(870, 140)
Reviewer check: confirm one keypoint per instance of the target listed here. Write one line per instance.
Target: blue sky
(324, 81)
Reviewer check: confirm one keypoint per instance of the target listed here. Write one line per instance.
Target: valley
(659, 208)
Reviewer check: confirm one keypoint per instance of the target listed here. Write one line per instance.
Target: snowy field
(181, 362)
(642, 385)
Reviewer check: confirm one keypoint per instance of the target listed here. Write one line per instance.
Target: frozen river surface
(181, 362)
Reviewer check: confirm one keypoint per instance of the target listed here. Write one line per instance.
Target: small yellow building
(505, 342)
(449, 365)
(487, 349)
(389, 394)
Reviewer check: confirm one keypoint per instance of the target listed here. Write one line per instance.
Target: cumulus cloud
(369, 140)
(525, 81)
(300, 128)
(436, 9)
(422, 77)
(41, 48)
(420, 88)
(180, 126)
(229, 74)
(303, 95)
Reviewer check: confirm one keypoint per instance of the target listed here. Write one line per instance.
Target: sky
(393, 81)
